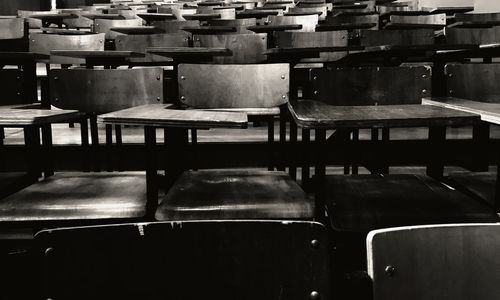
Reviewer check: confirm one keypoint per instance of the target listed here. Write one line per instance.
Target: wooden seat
(360, 203)
(308, 22)
(481, 185)
(78, 197)
(435, 262)
(232, 195)
(223, 260)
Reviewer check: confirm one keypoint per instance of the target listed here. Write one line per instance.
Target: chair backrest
(213, 260)
(477, 82)
(80, 22)
(175, 26)
(34, 23)
(308, 22)
(101, 91)
(13, 87)
(245, 48)
(476, 36)
(355, 19)
(139, 43)
(45, 42)
(371, 85)
(321, 11)
(240, 24)
(234, 86)
(397, 37)
(314, 39)
(435, 20)
(456, 262)
(13, 34)
(104, 26)
(397, 6)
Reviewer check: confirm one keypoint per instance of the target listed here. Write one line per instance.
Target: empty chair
(435, 262)
(245, 48)
(139, 43)
(396, 37)
(240, 24)
(308, 22)
(34, 23)
(434, 21)
(175, 26)
(253, 259)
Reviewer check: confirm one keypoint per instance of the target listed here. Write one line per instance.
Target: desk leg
(270, 143)
(481, 138)
(32, 141)
(497, 190)
(119, 146)
(48, 150)
(320, 173)
(84, 131)
(355, 139)
(109, 148)
(283, 121)
(94, 135)
(437, 142)
(151, 175)
(176, 143)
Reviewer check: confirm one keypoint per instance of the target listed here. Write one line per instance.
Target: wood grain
(18, 116)
(489, 112)
(230, 195)
(481, 185)
(312, 114)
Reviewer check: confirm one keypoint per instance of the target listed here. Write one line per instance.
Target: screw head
(183, 98)
(158, 99)
(283, 77)
(57, 99)
(49, 251)
(56, 78)
(315, 92)
(424, 76)
(314, 295)
(183, 77)
(450, 92)
(424, 91)
(390, 270)
(315, 78)
(158, 78)
(450, 75)
(315, 244)
(283, 96)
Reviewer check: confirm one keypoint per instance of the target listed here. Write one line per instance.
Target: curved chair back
(246, 48)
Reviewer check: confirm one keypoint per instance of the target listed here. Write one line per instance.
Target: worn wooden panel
(44, 43)
(397, 7)
(104, 26)
(223, 260)
(478, 36)
(235, 195)
(10, 7)
(353, 19)
(354, 7)
(474, 81)
(321, 11)
(489, 112)
(314, 39)
(33, 23)
(481, 185)
(456, 262)
(12, 87)
(12, 29)
(174, 26)
(245, 48)
(371, 85)
(105, 90)
(161, 115)
(234, 86)
(80, 22)
(361, 203)
(397, 37)
(28, 115)
(139, 43)
(240, 24)
(75, 196)
(314, 114)
(308, 22)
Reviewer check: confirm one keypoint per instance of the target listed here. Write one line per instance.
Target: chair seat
(12, 182)
(229, 195)
(361, 203)
(481, 185)
(78, 196)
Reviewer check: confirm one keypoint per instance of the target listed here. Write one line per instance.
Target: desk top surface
(188, 51)
(489, 112)
(161, 115)
(26, 115)
(96, 53)
(313, 114)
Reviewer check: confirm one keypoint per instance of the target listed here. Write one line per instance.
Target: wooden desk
(106, 58)
(209, 29)
(347, 26)
(294, 55)
(273, 28)
(56, 19)
(188, 54)
(104, 16)
(150, 17)
(312, 115)
(201, 17)
(137, 30)
(176, 123)
(258, 14)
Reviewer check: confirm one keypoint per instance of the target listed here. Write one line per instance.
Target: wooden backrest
(477, 82)
(12, 29)
(44, 43)
(13, 87)
(476, 36)
(34, 23)
(444, 3)
(234, 86)
(104, 26)
(397, 37)
(80, 22)
(314, 39)
(240, 24)
(354, 19)
(139, 43)
(456, 262)
(175, 26)
(435, 20)
(308, 22)
(246, 48)
(371, 85)
(397, 6)
(102, 91)
(185, 260)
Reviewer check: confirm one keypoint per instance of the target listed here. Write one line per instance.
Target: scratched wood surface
(235, 194)
(361, 203)
(18, 116)
(159, 115)
(312, 114)
(489, 112)
(481, 185)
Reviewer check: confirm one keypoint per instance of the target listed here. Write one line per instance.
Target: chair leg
(270, 143)
(283, 121)
(119, 146)
(355, 139)
(386, 137)
(306, 138)
(84, 131)
(151, 174)
(94, 135)
(109, 148)
(293, 145)
(48, 150)
(32, 141)
(2, 135)
(437, 141)
(194, 143)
